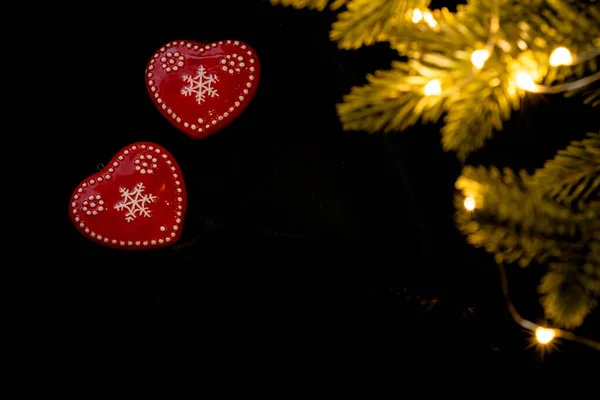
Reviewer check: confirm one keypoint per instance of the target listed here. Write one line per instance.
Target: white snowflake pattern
(200, 85)
(135, 202)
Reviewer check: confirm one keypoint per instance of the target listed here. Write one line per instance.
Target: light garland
(479, 57)
(417, 15)
(428, 17)
(527, 83)
(469, 203)
(593, 53)
(433, 88)
(560, 56)
(543, 335)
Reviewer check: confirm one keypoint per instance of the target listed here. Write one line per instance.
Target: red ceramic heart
(201, 88)
(136, 202)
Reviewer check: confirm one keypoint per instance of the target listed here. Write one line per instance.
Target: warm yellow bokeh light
(428, 17)
(525, 81)
(561, 56)
(479, 57)
(469, 203)
(417, 15)
(433, 88)
(543, 335)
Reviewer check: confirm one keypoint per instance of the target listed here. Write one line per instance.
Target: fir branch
(526, 218)
(592, 97)
(368, 21)
(573, 175)
(540, 22)
(569, 292)
(476, 112)
(392, 100)
(453, 33)
(570, 15)
(318, 5)
(468, 128)
(538, 27)
(516, 225)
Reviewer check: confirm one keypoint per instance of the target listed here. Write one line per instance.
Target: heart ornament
(201, 88)
(138, 201)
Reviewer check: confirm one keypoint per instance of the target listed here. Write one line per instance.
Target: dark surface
(306, 250)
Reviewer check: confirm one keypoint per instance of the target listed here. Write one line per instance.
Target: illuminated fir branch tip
(543, 335)
(588, 342)
(525, 82)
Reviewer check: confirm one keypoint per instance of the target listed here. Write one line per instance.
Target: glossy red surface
(138, 201)
(201, 88)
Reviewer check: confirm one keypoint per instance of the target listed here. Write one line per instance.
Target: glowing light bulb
(433, 88)
(428, 17)
(417, 15)
(525, 81)
(543, 335)
(561, 56)
(479, 57)
(469, 203)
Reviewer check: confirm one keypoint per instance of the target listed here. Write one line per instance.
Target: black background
(306, 250)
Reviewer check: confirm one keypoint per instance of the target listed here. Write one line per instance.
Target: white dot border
(199, 49)
(171, 233)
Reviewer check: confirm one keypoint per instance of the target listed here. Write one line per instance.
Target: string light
(417, 15)
(433, 88)
(479, 57)
(469, 203)
(525, 81)
(489, 46)
(428, 17)
(544, 335)
(582, 57)
(561, 56)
